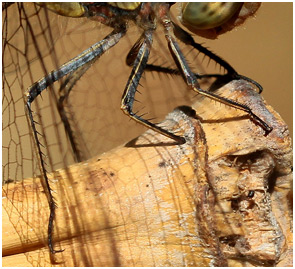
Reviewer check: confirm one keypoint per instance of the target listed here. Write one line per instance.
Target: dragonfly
(201, 18)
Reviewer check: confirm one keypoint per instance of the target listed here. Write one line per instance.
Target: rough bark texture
(221, 199)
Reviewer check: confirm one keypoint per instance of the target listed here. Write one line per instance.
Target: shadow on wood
(221, 199)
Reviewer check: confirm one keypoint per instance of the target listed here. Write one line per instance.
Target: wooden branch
(221, 199)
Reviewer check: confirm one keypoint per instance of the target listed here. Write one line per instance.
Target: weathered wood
(221, 199)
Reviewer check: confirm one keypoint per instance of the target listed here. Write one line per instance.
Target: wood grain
(221, 199)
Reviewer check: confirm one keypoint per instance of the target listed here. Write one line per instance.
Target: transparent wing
(36, 41)
(40, 41)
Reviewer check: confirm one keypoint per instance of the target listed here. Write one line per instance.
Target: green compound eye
(207, 15)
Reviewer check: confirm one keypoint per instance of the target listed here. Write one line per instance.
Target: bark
(221, 199)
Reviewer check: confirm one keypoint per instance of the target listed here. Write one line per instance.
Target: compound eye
(68, 9)
(126, 5)
(207, 15)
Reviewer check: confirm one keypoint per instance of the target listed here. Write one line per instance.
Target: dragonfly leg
(191, 79)
(65, 91)
(89, 55)
(187, 39)
(139, 57)
(224, 79)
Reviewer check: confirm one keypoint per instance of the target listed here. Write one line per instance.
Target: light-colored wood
(153, 203)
